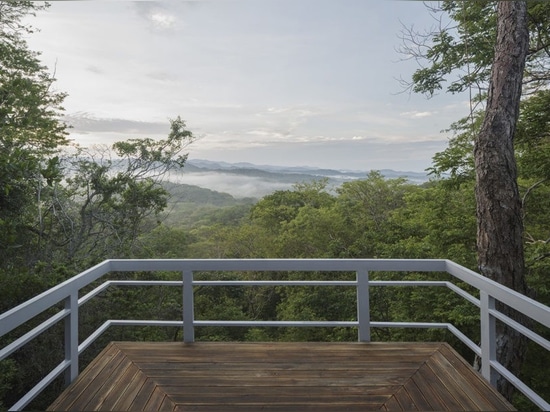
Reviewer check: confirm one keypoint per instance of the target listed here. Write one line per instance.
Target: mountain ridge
(221, 165)
(250, 180)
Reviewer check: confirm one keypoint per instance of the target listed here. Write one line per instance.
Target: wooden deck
(279, 377)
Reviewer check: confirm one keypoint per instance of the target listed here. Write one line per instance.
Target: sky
(279, 82)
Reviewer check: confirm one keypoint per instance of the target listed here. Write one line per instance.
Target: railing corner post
(488, 336)
(71, 337)
(188, 307)
(363, 305)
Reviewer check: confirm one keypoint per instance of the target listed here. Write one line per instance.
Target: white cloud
(162, 20)
(417, 115)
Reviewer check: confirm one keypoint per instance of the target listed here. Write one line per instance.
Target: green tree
(282, 206)
(109, 198)
(434, 223)
(458, 52)
(365, 207)
(31, 130)
(518, 60)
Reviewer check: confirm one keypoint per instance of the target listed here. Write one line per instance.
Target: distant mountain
(250, 180)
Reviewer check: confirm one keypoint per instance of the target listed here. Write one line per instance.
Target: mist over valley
(247, 180)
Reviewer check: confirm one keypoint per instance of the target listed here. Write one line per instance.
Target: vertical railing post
(71, 337)
(188, 307)
(488, 336)
(363, 305)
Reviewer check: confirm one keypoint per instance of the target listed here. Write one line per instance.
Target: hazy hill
(243, 180)
(192, 206)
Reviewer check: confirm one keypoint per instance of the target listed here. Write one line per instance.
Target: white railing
(68, 292)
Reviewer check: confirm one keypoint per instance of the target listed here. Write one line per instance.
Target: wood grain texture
(219, 376)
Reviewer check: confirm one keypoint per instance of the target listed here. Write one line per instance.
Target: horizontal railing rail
(67, 293)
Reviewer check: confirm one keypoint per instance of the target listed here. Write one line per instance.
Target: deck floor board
(219, 376)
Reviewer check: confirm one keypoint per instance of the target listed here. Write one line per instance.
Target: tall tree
(500, 49)
(499, 218)
(500, 227)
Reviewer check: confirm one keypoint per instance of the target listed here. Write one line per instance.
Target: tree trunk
(499, 221)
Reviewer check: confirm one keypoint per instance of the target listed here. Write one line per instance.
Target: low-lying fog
(236, 185)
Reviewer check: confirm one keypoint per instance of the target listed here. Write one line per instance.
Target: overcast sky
(282, 82)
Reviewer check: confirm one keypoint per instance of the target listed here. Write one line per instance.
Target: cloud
(417, 115)
(163, 76)
(94, 69)
(271, 134)
(237, 185)
(157, 15)
(290, 111)
(84, 123)
(162, 20)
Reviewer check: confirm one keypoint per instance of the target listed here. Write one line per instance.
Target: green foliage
(435, 222)
(107, 200)
(456, 162)
(282, 206)
(318, 303)
(459, 55)
(30, 128)
(459, 52)
(533, 137)
(8, 373)
(155, 158)
(192, 207)
(165, 242)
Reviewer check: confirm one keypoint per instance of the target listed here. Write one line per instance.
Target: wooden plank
(391, 405)
(332, 394)
(155, 400)
(216, 381)
(295, 352)
(121, 384)
(482, 393)
(143, 396)
(272, 399)
(432, 385)
(106, 388)
(70, 395)
(428, 391)
(167, 405)
(451, 392)
(155, 368)
(259, 356)
(126, 387)
(278, 347)
(282, 407)
(275, 369)
(405, 401)
(417, 396)
(85, 392)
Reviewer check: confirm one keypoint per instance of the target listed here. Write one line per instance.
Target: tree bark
(499, 218)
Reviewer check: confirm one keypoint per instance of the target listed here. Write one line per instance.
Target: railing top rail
(524, 304)
(27, 310)
(306, 265)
